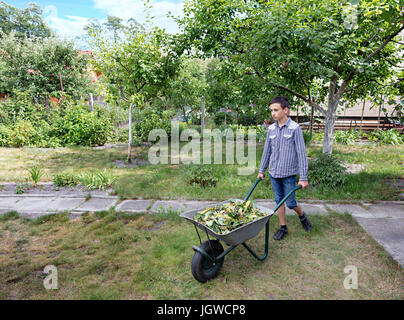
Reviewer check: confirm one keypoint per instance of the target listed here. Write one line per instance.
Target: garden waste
(227, 217)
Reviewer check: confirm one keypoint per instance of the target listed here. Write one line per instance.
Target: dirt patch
(353, 167)
(397, 184)
(134, 163)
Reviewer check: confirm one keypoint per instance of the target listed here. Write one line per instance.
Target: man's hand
(304, 184)
(260, 175)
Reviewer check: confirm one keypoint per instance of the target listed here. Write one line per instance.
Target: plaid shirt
(285, 152)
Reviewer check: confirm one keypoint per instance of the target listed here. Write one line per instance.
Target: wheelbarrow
(209, 256)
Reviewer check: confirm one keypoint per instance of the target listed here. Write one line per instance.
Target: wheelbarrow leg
(266, 245)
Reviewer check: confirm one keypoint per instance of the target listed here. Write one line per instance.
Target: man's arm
(301, 158)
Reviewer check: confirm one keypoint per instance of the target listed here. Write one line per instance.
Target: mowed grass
(112, 255)
(170, 181)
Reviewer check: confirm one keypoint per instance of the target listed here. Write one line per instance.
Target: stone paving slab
(354, 210)
(65, 204)
(97, 204)
(307, 207)
(133, 205)
(167, 205)
(34, 204)
(9, 202)
(389, 232)
(387, 210)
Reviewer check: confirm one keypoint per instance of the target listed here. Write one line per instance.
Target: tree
(136, 67)
(325, 53)
(23, 22)
(42, 66)
(187, 88)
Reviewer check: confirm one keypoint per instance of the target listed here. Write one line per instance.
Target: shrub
(94, 179)
(22, 134)
(150, 120)
(79, 126)
(326, 171)
(65, 179)
(391, 136)
(202, 175)
(5, 133)
(346, 137)
(307, 137)
(218, 118)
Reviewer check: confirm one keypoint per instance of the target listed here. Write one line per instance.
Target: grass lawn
(382, 163)
(110, 255)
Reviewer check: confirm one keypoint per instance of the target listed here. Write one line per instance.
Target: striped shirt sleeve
(265, 155)
(301, 155)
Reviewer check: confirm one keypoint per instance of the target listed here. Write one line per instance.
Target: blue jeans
(281, 187)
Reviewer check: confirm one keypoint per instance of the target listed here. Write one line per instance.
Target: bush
(346, 137)
(22, 134)
(5, 133)
(20, 106)
(202, 175)
(307, 137)
(65, 179)
(79, 126)
(391, 136)
(326, 171)
(219, 118)
(150, 120)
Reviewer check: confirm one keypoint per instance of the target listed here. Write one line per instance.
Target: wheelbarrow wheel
(204, 269)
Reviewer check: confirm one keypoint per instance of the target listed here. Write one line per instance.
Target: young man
(285, 153)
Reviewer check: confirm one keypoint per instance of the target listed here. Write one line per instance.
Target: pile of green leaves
(229, 216)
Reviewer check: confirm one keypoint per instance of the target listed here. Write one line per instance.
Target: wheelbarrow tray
(236, 236)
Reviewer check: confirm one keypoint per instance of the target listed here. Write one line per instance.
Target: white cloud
(126, 9)
(69, 28)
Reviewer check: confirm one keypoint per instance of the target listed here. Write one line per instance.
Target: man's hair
(284, 102)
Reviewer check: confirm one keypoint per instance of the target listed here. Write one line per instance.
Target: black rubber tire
(203, 269)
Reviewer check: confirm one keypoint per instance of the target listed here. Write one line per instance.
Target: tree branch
(370, 56)
(296, 94)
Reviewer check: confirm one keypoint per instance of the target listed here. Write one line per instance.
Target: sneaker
(306, 224)
(280, 233)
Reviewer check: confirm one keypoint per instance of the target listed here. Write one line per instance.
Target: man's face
(277, 111)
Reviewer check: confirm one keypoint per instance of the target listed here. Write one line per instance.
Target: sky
(67, 18)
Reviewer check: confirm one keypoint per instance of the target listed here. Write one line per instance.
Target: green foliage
(23, 133)
(11, 215)
(36, 174)
(19, 106)
(391, 136)
(346, 137)
(218, 118)
(36, 65)
(326, 171)
(26, 22)
(95, 179)
(65, 179)
(201, 175)
(21, 188)
(5, 133)
(307, 137)
(323, 53)
(79, 126)
(151, 119)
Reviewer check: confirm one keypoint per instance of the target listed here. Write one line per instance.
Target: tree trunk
(130, 134)
(329, 128)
